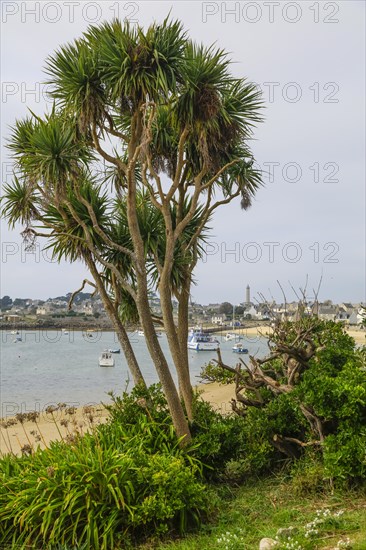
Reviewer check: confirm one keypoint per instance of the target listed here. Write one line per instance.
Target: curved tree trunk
(118, 327)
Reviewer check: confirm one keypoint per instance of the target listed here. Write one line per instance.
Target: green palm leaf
(20, 203)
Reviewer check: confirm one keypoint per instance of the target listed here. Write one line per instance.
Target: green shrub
(217, 439)
(323, 406)
(105, 489)
(345, 455)
(142, 402)
(213, 373)
(308, 474)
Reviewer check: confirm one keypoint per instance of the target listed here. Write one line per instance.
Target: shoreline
(65, 422)
(359, 334)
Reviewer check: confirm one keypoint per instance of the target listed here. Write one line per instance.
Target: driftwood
(279, 373)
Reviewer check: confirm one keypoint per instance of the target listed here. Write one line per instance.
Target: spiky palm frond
(20, 203)
(205, 74)
(149, 219)
(127, 309)
(48, 151)
(76, 83)
(241, 106)
(241, 176)
(134, 64)
(68, 240)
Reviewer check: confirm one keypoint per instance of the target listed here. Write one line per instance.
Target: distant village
(88, 310)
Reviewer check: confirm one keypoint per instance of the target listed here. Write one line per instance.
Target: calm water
(51, 367)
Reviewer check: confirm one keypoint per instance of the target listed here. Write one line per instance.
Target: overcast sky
(309, 218)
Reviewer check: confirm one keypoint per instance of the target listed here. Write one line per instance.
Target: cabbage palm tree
(167, 116)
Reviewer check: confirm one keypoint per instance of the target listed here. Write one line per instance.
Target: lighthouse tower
(247, 296)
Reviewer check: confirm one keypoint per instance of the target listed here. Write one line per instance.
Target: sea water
(50, 366)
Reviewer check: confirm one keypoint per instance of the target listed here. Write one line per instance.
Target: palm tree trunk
(183, 304)
(178, 349)
(142, 298)
(179, 420)
(118, 327)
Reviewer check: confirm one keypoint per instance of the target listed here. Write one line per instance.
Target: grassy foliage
(105, 489)
(261, 507)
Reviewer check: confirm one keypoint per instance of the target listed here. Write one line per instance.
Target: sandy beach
(65, 422)
(255, 332)
(358, 334)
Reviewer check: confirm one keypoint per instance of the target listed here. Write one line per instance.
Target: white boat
(14, 332)
(64, 331)
(201, 341)
(114, 350)
(239, 348)
(232, 336)
(141, 333)
(106, 359)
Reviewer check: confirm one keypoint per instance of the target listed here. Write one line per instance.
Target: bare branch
(95, 252)
(100, 231)
(284, 296)
(218, 174)
(74, 294)
(113, 160)
(296, 294)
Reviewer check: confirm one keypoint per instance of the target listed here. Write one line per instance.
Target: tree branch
(113, 160)
(85, 281)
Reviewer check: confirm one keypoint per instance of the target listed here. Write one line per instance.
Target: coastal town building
(88, 307)
(218, 319)
(357, 317)
(328, 313)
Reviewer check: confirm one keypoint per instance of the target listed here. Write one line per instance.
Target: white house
(357, 317)
(218, 319)
(88, 309)
(250, 311)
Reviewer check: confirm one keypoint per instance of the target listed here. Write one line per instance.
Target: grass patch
(259, 509)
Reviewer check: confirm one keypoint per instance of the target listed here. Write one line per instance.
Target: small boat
(159, 334)
(64, 331)
(200, 341)
(14, 332)
(239, 348)
(114, 350)
(140, 333)
(106, 359)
